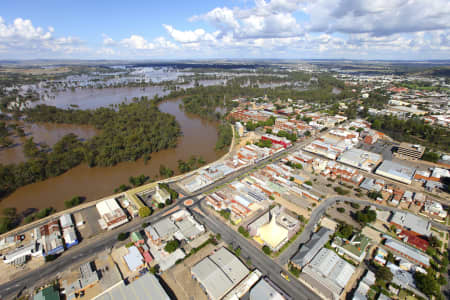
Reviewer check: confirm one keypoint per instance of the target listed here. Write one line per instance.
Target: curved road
(317, 214)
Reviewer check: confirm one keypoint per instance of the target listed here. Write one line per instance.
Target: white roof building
(396, 171)
(111, 214)
(411, 222)
(330, 270)
(66, 221)
(133, 259)
(361, 159)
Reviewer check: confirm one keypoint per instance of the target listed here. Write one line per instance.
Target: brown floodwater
(47, 133)
(199, 138)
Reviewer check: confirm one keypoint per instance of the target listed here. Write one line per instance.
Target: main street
(107, 239)
(317, 214)
(261, 261)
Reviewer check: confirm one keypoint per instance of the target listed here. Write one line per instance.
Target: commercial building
(360, 159)
(19, 255)
(50, 235)
(396, 171)
(88, 277)
(146, 287)
(330, 271)
(411, 222)
(134, 259)
(435, 208)
(48, 293)
(181, 224)
(68, 229)
(406, 251)
(111, 214)
(219, 273)
(344, 173)
(311, 248)
(371, 184)
(354, 248)
(265, 290)
(277, 140)
(410, 151)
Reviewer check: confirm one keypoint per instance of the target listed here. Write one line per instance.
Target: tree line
(413, 130)
(128, 133)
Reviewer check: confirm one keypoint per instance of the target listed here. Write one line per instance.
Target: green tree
(243, 232)
(384, 274)
(145, 212)
(366, 215)
(345, 230)
(77, 200)
(165, 172)
(171, 246)
(266, 250)
(122, 236)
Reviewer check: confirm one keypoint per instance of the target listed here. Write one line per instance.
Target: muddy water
(42, 133)
(94, 98)
(199, 138)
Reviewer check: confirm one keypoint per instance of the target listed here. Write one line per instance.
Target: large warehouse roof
(396, 171)
(146, 287)
(412, 222)
(219, 273)
(360, 159)
(308, 250)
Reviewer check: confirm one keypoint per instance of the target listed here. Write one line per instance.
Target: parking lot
(89, 217)
(384, 148)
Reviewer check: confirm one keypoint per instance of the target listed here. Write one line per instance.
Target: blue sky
(376, 29)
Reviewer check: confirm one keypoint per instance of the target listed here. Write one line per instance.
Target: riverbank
(199, 138)
(133, 191)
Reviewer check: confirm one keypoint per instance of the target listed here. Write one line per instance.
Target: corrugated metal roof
(146, 287)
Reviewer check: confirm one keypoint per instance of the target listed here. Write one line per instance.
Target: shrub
(341, 210)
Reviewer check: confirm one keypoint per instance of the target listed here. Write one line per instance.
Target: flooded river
(47, 133)
(199, 138)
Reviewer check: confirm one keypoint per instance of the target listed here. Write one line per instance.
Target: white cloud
(137, 42)
(22, 38)
(190, 36)
(265, 20)
(377, 17)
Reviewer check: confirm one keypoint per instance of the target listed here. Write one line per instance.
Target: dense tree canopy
(127, 133)
(412, 130)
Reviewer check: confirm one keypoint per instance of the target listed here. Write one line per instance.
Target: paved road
(73, 255)
(107, 239)
(317, 215)
(261, 261)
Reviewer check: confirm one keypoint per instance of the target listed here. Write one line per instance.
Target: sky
(234, 29)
